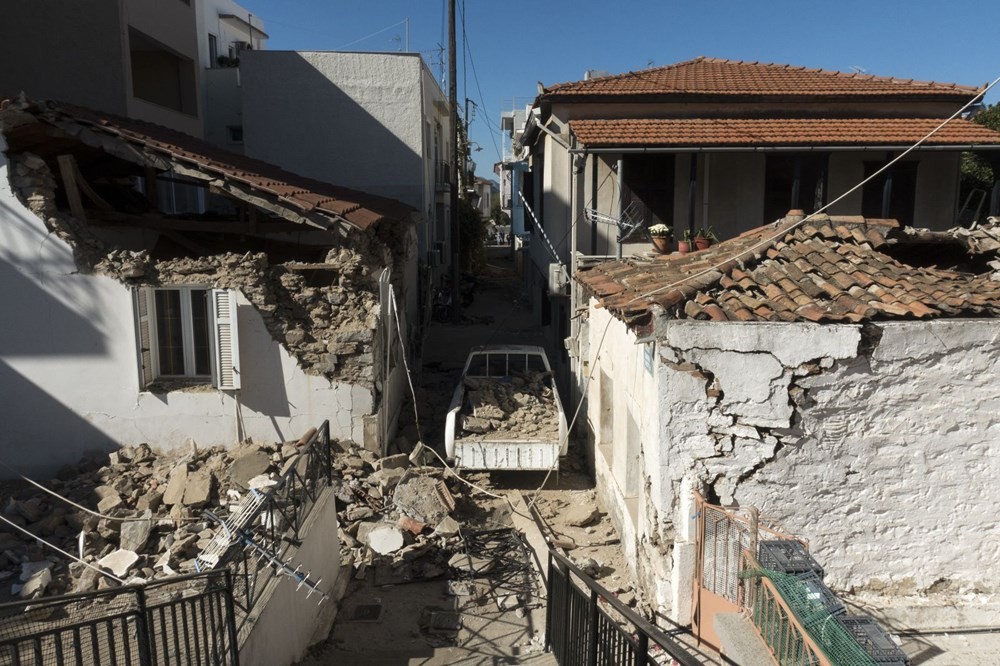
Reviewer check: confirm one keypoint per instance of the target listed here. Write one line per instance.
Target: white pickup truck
(505, 412)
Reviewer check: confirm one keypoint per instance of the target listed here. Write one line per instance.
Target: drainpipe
(621, 205)
(692, 190)
(704, 203)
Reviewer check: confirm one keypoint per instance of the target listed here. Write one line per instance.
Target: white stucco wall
(874, 445)
(354, 119)
(68, 369)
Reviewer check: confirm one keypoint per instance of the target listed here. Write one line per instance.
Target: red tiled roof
(303, 194)
(829, 269)
(717, 76)
(777, 131)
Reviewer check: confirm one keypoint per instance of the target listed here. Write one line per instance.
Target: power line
(377, 32)
(475, 77)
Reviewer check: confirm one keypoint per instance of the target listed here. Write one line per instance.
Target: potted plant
(663, 238)
(687, 244)
(705, 238)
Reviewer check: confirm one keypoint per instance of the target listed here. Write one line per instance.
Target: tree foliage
(977, 174)
(473, 239)
(498, 216)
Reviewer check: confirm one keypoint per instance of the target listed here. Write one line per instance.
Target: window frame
(187, 334)
(225, 365)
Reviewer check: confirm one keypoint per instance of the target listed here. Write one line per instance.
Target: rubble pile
(521, 408)
(167, 493)
(327, 321)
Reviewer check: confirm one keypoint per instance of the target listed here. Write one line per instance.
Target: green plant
(473, 237)
(661, 231)
(706, 232)
(977, 172)
(688, 236)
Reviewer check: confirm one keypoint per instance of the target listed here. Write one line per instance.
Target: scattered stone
(386, 479)
(359, 513)
(580, 515)
(109, 503)
(448, 527)
(261, 482)
(135, 533)
(399, 461)
(86, 580)
(118, 562)
(36, 585)
(175, 487)
(150, 501)
(385, 539)
(198, 489)
(590, 566)
(249, 466)
(29, 569)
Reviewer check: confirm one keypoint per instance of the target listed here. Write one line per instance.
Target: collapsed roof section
(47, 126)
(833, 269)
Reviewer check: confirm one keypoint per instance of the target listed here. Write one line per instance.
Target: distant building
(376, 122)
(128, 57)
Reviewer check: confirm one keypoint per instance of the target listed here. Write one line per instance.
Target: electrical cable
(60, 550)
(378, 32)
(130, 519)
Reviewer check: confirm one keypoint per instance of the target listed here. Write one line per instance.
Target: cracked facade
(872, 440)
(314, 332)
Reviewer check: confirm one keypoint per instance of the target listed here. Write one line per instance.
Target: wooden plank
(68, 172)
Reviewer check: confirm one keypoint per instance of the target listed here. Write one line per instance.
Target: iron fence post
(592, 636)
(142, 630)
(548, 606)
(234, 648)
(642, 649)
(566, 611)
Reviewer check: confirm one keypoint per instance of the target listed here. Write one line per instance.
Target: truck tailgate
(512, 454)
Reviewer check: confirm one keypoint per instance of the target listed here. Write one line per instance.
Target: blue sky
(515, 44)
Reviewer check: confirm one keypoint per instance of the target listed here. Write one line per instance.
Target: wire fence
(181, 621)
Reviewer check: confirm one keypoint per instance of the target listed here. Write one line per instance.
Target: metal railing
(589, 626)
(276, 522)
(177, 621)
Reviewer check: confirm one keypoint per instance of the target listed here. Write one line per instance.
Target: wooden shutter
(226, 339)
(141, 298)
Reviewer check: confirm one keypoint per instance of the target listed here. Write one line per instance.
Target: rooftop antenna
(858, 69)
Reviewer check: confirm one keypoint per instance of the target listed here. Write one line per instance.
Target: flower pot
(683, 246)
(702, 243)
(663, 244)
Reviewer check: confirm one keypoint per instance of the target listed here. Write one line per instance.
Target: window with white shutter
(186, 334)
(227, 349)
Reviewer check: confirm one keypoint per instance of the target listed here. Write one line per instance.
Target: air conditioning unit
(558, 279)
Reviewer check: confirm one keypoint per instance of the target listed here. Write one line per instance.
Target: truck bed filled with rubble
(522, 407)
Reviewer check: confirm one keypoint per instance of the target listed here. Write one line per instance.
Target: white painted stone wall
(68, 370)
(874, 445)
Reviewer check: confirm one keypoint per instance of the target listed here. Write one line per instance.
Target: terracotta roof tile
(819, 284)
(717, 76)
(359, 209)
(777, 131)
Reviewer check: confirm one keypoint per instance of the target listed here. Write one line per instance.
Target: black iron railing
(177, 622)
(276, 524)
(587, 625)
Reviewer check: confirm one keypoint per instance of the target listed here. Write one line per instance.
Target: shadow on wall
(263, 382)
(295, 116)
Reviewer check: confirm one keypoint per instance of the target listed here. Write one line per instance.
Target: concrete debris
(470, 564)
(36, 584)
(580, 516)
(419, 497)
(175, 486)
(135, 533)
(119, 561)
(198, 489)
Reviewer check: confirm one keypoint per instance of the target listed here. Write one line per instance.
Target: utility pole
(456, 297)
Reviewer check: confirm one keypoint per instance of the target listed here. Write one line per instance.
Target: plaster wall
(361, 112)
(286, 620)
(69, 377)
(874, 444)
(223, 106)
(87, 35)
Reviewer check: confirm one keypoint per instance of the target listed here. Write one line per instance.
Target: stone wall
(873, 443)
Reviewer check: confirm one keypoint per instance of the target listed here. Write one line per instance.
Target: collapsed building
(156, 288)
(836, 373)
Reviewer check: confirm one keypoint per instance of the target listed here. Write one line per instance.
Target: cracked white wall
(873, 444)
(68, 368)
